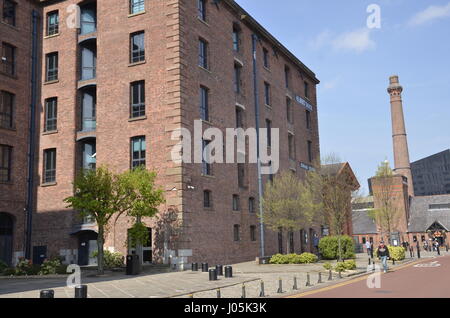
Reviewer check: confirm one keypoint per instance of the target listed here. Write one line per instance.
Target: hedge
(329, 247)
(304, 258)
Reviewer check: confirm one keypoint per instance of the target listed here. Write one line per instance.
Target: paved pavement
(184, 284)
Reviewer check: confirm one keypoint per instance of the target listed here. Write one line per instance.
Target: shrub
(340, 267)
(3, 266)
(61, 269)
(350, 264)
(307, 258)
(327, 266)
(304, 258)
(278, 259)
(23, 267)
(111, 259)
(9, 271)
(329, 247)
(50, 266)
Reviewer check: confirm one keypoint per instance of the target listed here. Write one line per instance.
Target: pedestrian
(383, 254)
(316, 242)
(425, 245)
(368, 247)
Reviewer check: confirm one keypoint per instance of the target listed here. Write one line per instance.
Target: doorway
(6, 238)
(87, 245)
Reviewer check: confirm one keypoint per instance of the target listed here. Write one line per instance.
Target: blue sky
(354, 63)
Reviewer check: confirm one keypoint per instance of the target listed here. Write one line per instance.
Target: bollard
(47, 293)
(219, 269)
(340, 274)
(194, 267)
(243, 291)
(218, 293)
(212, 274)
(308, 283)
(205, 267)
(81, 291)
(369, 261)
(280, 286)
(228, 271)
(330, 275)
(261, 293)
(295, 284)
(446, 247)
(393, 261)
(418, 252)
(319, 281)
(438, 250)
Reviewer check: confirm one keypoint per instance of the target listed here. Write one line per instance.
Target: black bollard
(446, 247)
(218, 293)
(418, 252)
(219, 269)
(47, 293)
(369, 261)
(243, 291)
(319, 280)
(308, 283)
(393, 261)
(81, 291)
(205, 267)
(295, 284)
(212, 274)
(261, 293)
(194, 267)
(438, 250)
(280, 286)
(228, 271)
(330, 275)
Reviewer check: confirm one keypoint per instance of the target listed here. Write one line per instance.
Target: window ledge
(6, 182)
(207, 122)
(136, 14)
(268, 106)
(51, 36)
(51, 82)
(266, 68)
(137, 118)
(208, 176)
(51, 132)
(137, 63)
(205, 69)
(10, 25)
(203, 21)
(48, 184)
(209, 209)
(8, 128)
(9, 75)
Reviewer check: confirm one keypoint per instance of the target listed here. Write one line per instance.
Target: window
(287, 76)
(291, 145)
(204, 107)
(137, 46)
(289, 110)
(207, 199)
(203, 53)
(49, 165)
(239, 118)
(266, 58)
(310, 154)
(50, 114)
(306, 85)
(88, 109)
(267, 93)
(88, 62)
(269, 132)
(252, 233)
(236, 203)
(236, 233)
(6, 109)
(241, 175)
(52, 23)
(9, 12)
(237, 78)
(236, 38)
(51, 73)
(138, 151)
(8, 59)
(201, 6)
(137, 6)
(251, 205)
(206, 165)
(89, 161)
(137, 99)
(5, 163)
(308, 119)
(88, 19)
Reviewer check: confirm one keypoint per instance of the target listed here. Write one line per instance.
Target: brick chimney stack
(400, 140)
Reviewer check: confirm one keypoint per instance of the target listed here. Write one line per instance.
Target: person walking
(383, 254)
(425, 245)
(368, 247)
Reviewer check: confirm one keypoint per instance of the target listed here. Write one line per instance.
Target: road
(428, 278)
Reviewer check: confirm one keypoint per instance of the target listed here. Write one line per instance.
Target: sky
(354, 62)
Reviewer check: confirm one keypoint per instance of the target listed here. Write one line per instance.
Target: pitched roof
(422, 216)
(362, 223)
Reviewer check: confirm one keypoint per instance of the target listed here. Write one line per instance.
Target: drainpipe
(31, 137)
(260, 187)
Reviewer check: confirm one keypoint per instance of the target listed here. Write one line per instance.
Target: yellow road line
(351, 281)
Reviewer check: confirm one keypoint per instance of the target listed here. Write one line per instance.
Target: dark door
(6, 236)
(39, 254)
(147, 248)
(84, 239)
(280, 241)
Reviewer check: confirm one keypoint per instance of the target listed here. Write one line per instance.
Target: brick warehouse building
(116, 87)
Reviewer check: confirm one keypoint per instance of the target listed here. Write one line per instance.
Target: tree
(282, 204)
(386, 215)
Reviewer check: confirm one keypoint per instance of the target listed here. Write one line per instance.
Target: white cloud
(429, 14)
(321, 40)
(331, 84)
(357, 41)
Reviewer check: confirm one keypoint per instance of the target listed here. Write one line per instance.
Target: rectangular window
(51, 105)
(204, 103)
(9, 12)
(236, 203)
(203, 53)
(291, 145)
(289, 110)
(269, 132)
(5, 163)
(201, 7)
(6, 109)
(206, 199)
(241, 175)
(138, 148)
(310, 154)
(52, 23)
(266, 58)
(308, 119)
(206, 165)
(239, 118)
(137, 6)
(236, 234)
(267, 93)
(253, 233)
(137, 99)
(306, 89)
(51, 73)
(88, 18)
(8, 59)
(237, 78)
(287, 76)
(49, 166)
(137, 47)
(236, 38)
(88, 62)
(251, 205)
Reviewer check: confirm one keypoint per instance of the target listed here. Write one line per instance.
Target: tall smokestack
(400, 140)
